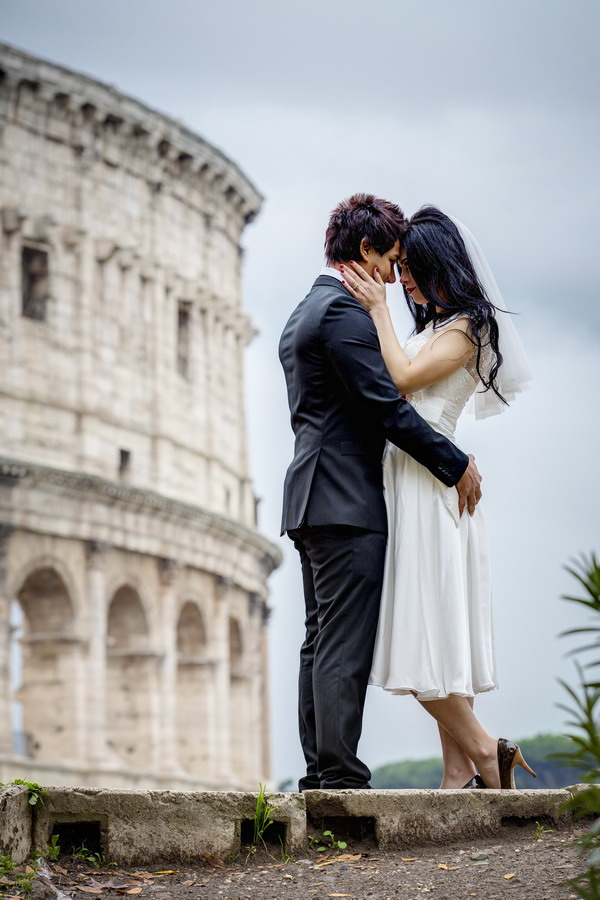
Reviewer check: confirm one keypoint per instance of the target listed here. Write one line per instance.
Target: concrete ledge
(411, 817)
(15, 822)
(146, 827)
(139, 827)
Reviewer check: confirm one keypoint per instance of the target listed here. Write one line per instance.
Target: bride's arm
(442, 355)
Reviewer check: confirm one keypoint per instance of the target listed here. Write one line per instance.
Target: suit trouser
(342, 571)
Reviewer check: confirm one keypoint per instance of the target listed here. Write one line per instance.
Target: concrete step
(133, 827)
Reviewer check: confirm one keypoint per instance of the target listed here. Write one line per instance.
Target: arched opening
(131, 680)
(191, 635)
(45, 659)
(195, 694)
(127, 627)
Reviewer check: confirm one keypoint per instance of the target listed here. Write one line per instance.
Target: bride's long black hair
(440, 266)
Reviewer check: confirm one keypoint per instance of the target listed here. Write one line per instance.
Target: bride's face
(407, 281)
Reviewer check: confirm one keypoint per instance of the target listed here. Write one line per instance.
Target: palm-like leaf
(584, 718)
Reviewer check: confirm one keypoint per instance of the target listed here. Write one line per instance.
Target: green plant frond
(583, 717)
(595, 829)
(587, 572)
(571, 691)
(583, 601)
(584, 649)
(582, 630)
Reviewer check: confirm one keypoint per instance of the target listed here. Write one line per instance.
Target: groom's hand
(469, 488)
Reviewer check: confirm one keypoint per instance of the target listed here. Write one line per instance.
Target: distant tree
(411, 773)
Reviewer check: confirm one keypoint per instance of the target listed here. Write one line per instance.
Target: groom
(344, 406)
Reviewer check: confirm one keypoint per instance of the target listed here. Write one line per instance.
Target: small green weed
(90, 856)
(18, 878)
(53, 848)
(262, 815)
(36, 791)
(285, 856)
(249, 850)
(6, 864)
(540, 830)
(332, 843)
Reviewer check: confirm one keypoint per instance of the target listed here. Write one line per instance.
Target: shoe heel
(519, 760)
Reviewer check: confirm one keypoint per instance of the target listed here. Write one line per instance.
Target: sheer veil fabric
(514, 373)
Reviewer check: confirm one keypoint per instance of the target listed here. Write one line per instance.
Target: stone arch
(46, 662)
(127, 626)
(39, 562)
(191, 631)
(196, 735)
(131, 679)
(141, 589)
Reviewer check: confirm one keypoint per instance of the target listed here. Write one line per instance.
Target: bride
(435, 636)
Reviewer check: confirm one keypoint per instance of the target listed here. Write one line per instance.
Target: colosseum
(133, 580)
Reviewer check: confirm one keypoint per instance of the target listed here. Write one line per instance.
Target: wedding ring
(356, 286)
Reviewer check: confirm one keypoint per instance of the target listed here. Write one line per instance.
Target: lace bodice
(443, 402)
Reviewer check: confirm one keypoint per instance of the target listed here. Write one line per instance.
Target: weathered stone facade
(129, 554)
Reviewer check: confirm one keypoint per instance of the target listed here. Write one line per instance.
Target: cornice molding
(17, 473)
(97, 119)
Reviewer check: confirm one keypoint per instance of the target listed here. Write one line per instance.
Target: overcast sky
(487, 108)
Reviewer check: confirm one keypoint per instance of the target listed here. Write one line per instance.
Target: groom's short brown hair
(362, 216)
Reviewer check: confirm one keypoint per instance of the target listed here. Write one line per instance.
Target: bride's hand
(370, 292)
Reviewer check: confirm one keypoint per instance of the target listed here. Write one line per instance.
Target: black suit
(343, 406)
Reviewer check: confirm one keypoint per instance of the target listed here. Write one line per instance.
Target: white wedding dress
(435, 633)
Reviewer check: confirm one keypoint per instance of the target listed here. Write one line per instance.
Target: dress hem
(432, 695)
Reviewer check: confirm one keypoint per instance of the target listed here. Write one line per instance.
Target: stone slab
(142, 827)
(15, 822)
(411, 817)
(148, 827)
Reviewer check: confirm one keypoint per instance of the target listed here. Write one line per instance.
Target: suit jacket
(343, 406)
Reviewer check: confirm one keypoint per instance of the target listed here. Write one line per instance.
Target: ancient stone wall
(129, 549)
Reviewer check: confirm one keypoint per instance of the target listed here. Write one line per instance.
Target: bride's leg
(458, 767)
(456, 716)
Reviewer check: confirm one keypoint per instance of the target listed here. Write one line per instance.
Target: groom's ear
(365, 247)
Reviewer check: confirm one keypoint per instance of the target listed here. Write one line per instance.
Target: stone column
(220, 651)
(6, 738)
(264, 695)
(168, 761)
(96, 661)
(253, 769)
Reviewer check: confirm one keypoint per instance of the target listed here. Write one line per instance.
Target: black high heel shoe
(475, 782)
(509, 756)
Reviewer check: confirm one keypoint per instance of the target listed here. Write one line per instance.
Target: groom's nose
(392, 276)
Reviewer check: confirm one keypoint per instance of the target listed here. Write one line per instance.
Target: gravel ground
(523, 867)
